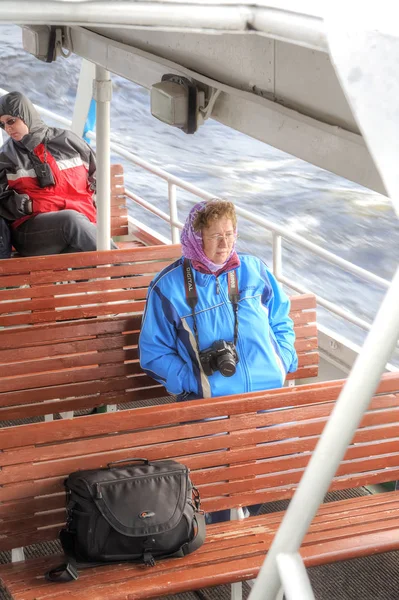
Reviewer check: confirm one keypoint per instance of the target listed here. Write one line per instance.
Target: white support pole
(337, 435)
(296, 585)
(84, 95)
(102, 95)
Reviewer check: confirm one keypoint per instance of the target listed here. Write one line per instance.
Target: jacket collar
(231, 264)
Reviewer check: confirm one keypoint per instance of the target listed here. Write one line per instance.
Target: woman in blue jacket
(216, 322)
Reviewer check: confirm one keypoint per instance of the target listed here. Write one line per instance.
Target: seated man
(47, 182)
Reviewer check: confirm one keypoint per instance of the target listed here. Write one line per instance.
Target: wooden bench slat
(52, 364)
(306, 344)
(141, 388)
(60, 332)
(75, 375)
(30, 506)
(93, 352)
(128, 268)
(110, 342)
(82, 312)
(301, 318)
(306, 331)
(188, 431)
(151, 416)
(303, 373)
(96, 296)
(248, 540)
(303, 302)
(285, 449)
(119, 212)
(241, 478)
(78, 390)
(122, 230)
(51, 291)
(240, 440)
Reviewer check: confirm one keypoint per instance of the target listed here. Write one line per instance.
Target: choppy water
(353, 222)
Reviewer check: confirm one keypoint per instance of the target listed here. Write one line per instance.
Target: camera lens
(226, 364)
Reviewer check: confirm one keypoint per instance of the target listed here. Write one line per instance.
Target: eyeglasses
(8, 123)
(218, 237)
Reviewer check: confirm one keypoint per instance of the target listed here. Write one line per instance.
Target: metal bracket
(17, 554)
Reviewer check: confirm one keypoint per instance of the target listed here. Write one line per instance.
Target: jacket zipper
(226, 302)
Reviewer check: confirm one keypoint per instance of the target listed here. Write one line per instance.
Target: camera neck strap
(192, 297)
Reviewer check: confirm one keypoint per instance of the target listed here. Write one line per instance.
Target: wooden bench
(241, 460)
(70, 330)
(119, 222)
(71, 325)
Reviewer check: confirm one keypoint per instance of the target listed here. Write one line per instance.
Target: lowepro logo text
(146, 514)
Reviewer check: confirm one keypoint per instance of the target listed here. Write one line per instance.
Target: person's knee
(72, 218)
(74, 224)
(79, 233)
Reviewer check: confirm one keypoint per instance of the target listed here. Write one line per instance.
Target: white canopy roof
(271, 60)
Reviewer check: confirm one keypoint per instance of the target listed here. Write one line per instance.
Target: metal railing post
(102, 95)
(173, 213)
(330, 450)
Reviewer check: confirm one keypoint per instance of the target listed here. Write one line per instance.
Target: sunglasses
(8, 123)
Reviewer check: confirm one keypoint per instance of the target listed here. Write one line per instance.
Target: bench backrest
(119, 222)
(242, 458)
(70, 287)
(71, 325)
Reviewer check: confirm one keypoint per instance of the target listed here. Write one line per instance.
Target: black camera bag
(130, 512)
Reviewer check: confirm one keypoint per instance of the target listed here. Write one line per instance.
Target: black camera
(44, 174)
(221, 356)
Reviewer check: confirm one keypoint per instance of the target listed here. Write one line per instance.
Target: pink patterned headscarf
(191, 241)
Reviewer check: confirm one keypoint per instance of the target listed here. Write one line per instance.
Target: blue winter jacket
(265, 345)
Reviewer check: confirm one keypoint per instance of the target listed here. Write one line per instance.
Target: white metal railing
(278, 232)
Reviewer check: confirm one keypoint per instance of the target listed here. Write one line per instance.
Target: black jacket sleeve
(12, 205)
